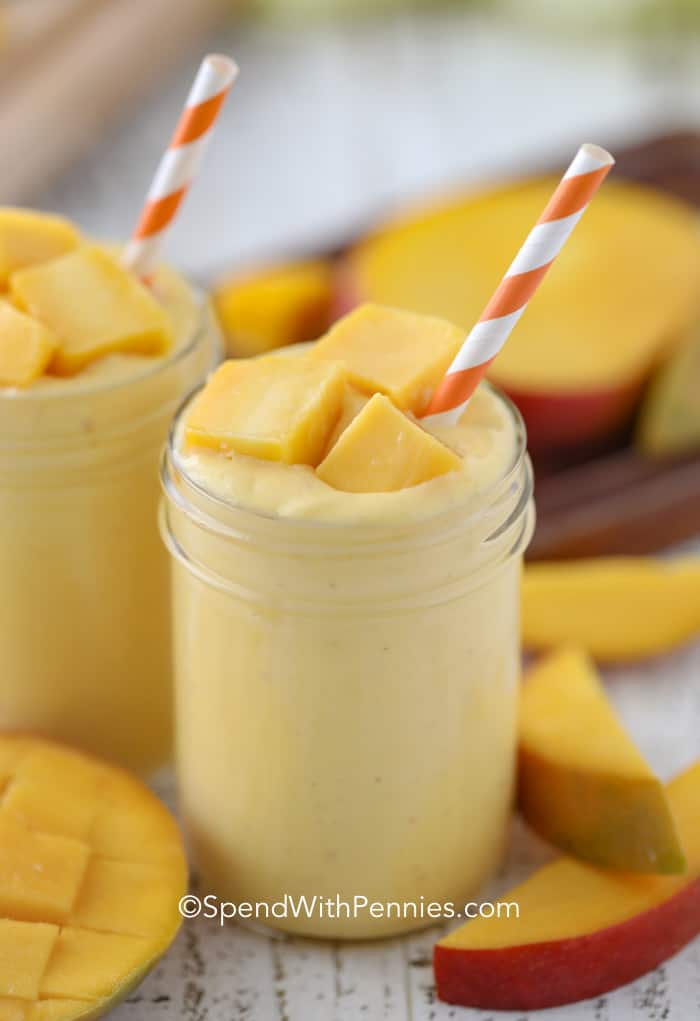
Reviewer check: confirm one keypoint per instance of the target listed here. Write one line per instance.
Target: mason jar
(84, 580)
(346, 701)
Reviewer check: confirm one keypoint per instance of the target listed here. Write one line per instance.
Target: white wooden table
(238, 974)
(326, 127)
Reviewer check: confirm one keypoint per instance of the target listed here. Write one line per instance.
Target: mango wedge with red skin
(581, 931)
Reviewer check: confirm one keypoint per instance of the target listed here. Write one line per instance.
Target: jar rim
(487, 497)
(199, 330)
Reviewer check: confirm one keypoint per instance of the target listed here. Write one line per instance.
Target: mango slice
(382, 450)
(94, 306)
(276, 408)
(579, 930)
(617, 608)
(276, 306)
(390, 351)
(582, 783)
(28, 237)
(631, 269)
(26, 347)
(669, 420)
(82, 918)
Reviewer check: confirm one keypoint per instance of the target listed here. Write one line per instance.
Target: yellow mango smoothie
(93, 365)
(346, 629)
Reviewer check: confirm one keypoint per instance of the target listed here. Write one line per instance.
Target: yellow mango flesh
(569, 898)
(583, 784)
(353, 403)
(26, 347)
(274, 307)
(28, 237)
(276, 408)
(94, 307)
(393, 352)
(617, 608)
(669, 420)
(82, 918)
(631, 270)
(382, 450)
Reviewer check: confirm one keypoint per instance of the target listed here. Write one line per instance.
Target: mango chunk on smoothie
(276, 408)
(94, 306)
(390, 351)
(81, 921)
(26, 347)
(28, 237)
(382, 450)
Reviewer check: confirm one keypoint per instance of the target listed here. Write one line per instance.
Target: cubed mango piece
(25, 949)
(391, 351)
(275, 306)
(28, 237)
(353, 403)
(26, 347)
(12, 1009)
(383, 450)
(94, 306)
(276, 407)
(39, 873)
(125, 897)
(75, 793)
(88, 965)
(115, 894)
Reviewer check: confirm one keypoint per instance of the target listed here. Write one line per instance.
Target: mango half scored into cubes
(391, 351)
(28, 237)
(91, 874)
(278, 408)
(26, 348)
(382, 450)
(94, 306)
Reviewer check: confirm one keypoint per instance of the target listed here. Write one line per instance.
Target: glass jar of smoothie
(84, 581)
(346, 678)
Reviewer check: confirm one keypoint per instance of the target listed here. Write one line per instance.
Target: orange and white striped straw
(180, 161)
(567, 205)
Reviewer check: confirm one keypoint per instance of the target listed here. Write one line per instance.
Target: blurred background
(349, 110)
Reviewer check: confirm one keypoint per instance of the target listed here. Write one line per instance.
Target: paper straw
(567, 205)
(180, 161)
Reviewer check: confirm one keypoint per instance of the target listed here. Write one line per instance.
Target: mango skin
(611, 928)
(609, 820)
(539, 975)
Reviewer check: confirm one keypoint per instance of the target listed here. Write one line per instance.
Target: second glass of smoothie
(84, 583)
(347, 670)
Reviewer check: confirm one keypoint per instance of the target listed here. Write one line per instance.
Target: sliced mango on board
(631, 270)
(579, 930)
(582, 783)
(382, 450)
(82, 918)
(26, 347)
(275, 306)
(617, 608)
(393, 352)
(274, 407)
(94, 306)
(28, 237)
